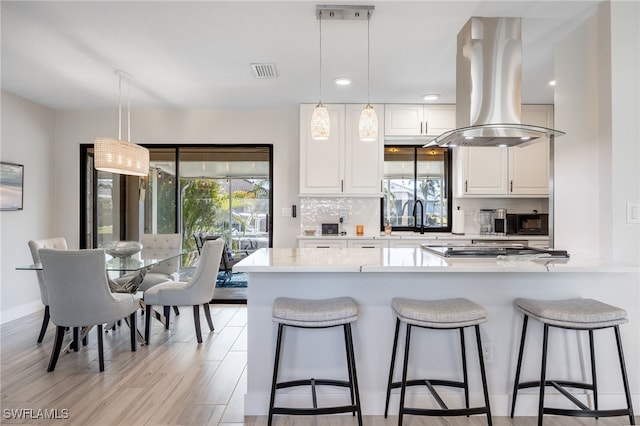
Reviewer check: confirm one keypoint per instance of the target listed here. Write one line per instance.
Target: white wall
(625, 126)
(27, 138)
(596, 162)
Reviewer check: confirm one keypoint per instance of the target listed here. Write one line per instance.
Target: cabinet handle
(381, 189)
(323, 246)
(421, 127)
(367, 246)
(465, 185)
(426, 127)
(341, 185)
(510, 186)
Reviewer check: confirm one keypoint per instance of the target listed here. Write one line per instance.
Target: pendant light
(368, 125)
(118, 156)
(320, 122)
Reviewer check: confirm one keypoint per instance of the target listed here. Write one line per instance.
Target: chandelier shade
(118, 156)
(320, 123)
(368, 125)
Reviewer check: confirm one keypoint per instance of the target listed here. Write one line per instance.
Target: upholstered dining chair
(163, 271)
(79, 296)
(35, 245)
(195, 292)
(228, 258)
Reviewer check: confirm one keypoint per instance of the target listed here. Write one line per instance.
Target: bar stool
(572, 314)
(322, 313)
(447, 314)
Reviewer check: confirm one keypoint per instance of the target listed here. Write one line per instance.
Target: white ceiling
(63, 54)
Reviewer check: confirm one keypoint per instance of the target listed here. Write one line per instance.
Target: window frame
(447, 190)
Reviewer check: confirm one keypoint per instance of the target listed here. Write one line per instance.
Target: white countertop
(410, 260)
(426, 236)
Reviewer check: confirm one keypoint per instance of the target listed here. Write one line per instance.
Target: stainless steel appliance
(488, 85)
(528, 224)
(484, 217)
(500, 222)
(492, 250)
(330, 229)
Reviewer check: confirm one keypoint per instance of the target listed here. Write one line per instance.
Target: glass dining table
(136, 266)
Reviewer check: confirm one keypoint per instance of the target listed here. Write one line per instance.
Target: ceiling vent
(264, 70)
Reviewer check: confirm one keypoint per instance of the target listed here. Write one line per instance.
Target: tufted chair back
(58, 243)
(162, 244)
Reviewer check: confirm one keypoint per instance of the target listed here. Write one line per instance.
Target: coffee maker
(500, 222)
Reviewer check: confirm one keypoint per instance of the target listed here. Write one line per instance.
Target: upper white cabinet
(342, 165)
(418, 119)
(521, 171)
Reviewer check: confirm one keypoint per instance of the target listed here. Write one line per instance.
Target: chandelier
(116, 155)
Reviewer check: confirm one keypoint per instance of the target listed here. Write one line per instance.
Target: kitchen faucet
(415, 219)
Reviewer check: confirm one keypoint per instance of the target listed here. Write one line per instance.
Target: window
(413, 177)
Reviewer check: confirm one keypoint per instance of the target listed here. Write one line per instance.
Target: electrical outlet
(487, 352)
(286, 211)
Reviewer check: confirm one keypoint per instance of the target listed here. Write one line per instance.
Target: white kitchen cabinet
(342, 165)
(367, 243)
(418, 119)
(322, 243)
(521, 171)
(409, 242)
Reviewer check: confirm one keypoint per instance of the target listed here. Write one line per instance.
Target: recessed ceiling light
(552, 83)
(342, 81)
(430, 96)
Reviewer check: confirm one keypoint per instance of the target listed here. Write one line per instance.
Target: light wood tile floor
(174, 381)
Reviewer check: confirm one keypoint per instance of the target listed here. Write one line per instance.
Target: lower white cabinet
(368, 243)
(409, 243)
(328, 243)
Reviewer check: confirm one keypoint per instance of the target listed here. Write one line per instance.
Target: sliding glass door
(226, 191)
(222, 190)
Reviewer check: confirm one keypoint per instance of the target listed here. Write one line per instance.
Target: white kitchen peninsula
(373, 276)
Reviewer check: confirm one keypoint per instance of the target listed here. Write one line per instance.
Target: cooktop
(491, 250)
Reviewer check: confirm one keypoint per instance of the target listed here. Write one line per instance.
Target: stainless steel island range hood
(488, 87)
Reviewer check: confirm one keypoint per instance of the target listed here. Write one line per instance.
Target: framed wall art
(11, 186)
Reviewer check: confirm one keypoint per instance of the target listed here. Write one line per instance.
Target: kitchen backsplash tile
(314, 211)
(513, 205)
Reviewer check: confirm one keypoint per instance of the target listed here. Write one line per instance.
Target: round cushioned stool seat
(572, 313)
(315, 313)
(447, 313)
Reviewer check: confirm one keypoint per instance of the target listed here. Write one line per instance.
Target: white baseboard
(20, 311)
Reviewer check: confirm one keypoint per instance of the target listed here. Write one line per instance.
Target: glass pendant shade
(118, 156)
(320, 123)
(368, 125)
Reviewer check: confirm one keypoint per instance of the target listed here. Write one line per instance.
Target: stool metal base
(444, 410)
(583, 410)
(352, 383)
